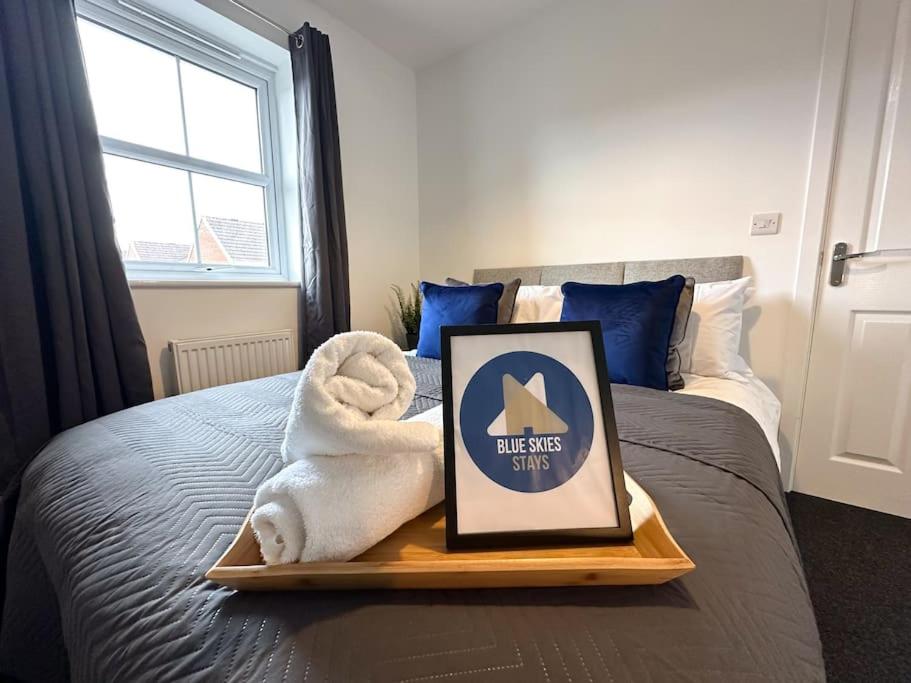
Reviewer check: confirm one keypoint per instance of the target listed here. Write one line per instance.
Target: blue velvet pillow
(467, 305)
(636, 321)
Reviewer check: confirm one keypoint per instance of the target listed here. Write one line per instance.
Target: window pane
(134, 89)
(153, 214)
(222, 119)
(232, 222)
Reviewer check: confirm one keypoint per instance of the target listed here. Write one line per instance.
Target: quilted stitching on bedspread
(120, 518)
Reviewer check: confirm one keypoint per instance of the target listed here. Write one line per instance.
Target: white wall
(187, 312)
(378, 129)
(632, 129)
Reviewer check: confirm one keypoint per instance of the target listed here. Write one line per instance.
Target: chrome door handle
(840, 256)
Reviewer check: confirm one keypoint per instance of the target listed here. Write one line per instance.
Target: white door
(855, 442)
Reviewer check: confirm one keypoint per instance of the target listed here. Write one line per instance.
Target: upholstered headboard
(710, 269)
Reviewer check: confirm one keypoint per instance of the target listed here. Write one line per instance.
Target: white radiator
(210, 362)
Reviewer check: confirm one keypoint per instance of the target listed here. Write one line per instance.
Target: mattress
(120, 518)
(747, 392)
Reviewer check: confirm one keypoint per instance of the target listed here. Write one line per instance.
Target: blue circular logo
(526, 421)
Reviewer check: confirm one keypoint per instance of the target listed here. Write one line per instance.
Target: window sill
(213, 284)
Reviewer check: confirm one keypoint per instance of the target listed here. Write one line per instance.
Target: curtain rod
(266, 20)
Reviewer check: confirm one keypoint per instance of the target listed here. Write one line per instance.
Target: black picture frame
(455, 540)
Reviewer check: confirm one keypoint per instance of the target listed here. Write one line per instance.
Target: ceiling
(420, 32)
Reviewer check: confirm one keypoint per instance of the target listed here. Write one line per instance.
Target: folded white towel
(349, 399)
(332, 508)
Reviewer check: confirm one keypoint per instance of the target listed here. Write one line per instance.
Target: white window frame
(170, 35)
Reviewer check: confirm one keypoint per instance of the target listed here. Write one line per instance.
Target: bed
(119, 519)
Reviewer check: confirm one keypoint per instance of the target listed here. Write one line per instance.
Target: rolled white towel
(350, 396)
(333, 508)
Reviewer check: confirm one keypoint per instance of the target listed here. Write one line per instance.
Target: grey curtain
(70, 344)
(325, 293)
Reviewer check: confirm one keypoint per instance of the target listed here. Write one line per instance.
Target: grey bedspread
(119, 519)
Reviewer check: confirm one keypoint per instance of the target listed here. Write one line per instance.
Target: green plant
(409, 308)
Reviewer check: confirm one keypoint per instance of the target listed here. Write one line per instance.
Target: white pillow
(711, 346)
(538, 304)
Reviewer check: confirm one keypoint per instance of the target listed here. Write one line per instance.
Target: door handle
(840, 257)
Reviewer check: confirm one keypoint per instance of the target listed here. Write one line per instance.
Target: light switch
(765, 224)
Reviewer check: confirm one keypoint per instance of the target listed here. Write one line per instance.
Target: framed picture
(531, 449)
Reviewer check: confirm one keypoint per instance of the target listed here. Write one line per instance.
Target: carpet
(858, 566)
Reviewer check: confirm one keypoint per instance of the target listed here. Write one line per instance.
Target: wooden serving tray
(415, 556)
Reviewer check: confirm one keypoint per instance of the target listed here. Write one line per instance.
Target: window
(185, 128)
